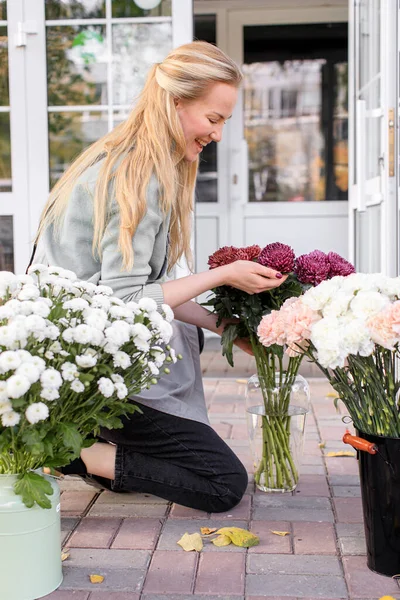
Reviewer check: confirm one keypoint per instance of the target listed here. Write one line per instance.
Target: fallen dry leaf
(191, 541)
(387, 598)
(332, 395)
(221, 540)
(341, 453)
(241, 380)
(281, 533)
(322, 445)
(207, 530)
(240, 537)
(64, 556)
(96, 578)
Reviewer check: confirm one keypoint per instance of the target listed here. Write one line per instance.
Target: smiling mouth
(200, 145)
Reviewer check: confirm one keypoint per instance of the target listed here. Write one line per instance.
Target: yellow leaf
(341, 453)
(207, 530)
(241, 380)
(332, 395)
(96, 578)
(322, 445)
(191, 541)
(64, 556)
(387, 598)
(240, 537)
(222, 540)
(282, 533)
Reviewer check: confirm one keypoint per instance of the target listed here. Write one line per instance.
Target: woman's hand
(251, 277)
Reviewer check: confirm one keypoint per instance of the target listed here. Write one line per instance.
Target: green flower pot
(30, 544)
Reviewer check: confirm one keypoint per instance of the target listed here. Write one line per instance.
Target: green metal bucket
(30, 544)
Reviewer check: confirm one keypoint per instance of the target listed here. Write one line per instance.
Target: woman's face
(202, 120)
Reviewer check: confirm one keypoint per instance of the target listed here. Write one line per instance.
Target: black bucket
(380, 493)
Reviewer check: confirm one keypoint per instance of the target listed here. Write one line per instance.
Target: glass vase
(276, 423)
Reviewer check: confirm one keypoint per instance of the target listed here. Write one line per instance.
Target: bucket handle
(359, 443)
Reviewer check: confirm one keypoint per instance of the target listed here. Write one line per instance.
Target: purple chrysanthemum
(277, 256)
(339, 265)
(313, 267)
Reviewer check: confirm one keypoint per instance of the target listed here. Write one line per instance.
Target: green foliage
(33, 488)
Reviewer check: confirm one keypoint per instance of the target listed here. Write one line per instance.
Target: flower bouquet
(71, 354)
(276, 469)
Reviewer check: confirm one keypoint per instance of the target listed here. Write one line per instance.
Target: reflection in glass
(6, 243)
(75, 9)
(135, 48)
(5, 153)
(282, 115)
(128, 8)
(71, 133)
(207, 178)
(3, 10)
(4, 94)
(76, 65)
(340, 132)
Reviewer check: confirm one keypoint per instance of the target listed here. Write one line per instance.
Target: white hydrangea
(10, 418)
(122, 359)
(168, 312)
(51, 378)
(106, 387)
(147, 304)
(17, 386)
(38, 411)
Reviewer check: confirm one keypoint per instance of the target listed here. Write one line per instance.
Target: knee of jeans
(237, 485)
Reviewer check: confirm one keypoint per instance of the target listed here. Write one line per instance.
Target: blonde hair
(150, 141)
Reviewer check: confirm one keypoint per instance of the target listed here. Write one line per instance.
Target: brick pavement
(130, 539)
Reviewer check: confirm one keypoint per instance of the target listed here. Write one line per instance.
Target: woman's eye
(213, 122)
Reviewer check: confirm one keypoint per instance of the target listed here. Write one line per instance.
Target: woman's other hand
(251, 277)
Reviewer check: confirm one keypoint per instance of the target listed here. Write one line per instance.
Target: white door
(280, 184)
(373, 117)
(84, 66)
(14, 209)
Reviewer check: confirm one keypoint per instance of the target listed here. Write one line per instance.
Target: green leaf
(228, 336)
(71, 437)
(33, 488)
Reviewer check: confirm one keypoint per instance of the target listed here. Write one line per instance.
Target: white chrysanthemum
(172, 354)
(29, 292)
(106, 387)
(134, 307)
(9, 361)
(83, 334)
(117, 378)
(6, 312)
(17, 386)
(122, 359)
(49, 355)
(55, 347)
(153, 368)
(25, 280)
(76, 304)
(49, 394)
(156, 319)
(142, 345)
(51, 378)
(35, 323)
(120, 312)
(68, 335)
(24, 355)
(69, 371)
(165, 330)
(368, 304)
(95, 317)
(38, 411)
(147, 304)
(77, 386)
(100, 301)
(118, 301)
(87, 286)
(3, 391)
(140, 331)
(6, 337)
(104, 289)
(52, 332)
(18, 329)
(121, 389)
(10, 418)
(8, 283)
(159, 358)
(39, 363)
(5, 406)
(26, 307)
(28, 370)
(118, 333)
(97, 337)
(85, 361)
(168, 312)
(37, 269)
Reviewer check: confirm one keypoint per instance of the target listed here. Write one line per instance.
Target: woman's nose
(216, 135)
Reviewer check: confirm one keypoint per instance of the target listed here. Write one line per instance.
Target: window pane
(282, 116)
(76, 65)
(6, 243)
(340, 132)
(128, 8)
(69, 134)
(75, 9)
(5, 153)
(4, 93)
(135, 48)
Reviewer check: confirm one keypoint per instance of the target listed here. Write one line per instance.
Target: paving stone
(350, 546)
(312, 485)
(311, 470)
(293, 565)
(363, 583)
(314, 538)
(304, 586)
(176, 596)
(347, 480)
(94, 532)
(75, 503)
(162, 578)
(240, 511)
(119, 559)
(226, 575)
(115, 580)
(183, 512)
(346, 491)
(271, 543)
(67, 595)
(108, 497)
(112, 596)
(67, 525)
(286, 507)
(175, 528)
(69, 483)
(128, 510)
(349, 530)
(341, 465)
(348, 510)
(137, 534)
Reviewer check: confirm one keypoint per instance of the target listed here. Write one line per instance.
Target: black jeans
(177, 459)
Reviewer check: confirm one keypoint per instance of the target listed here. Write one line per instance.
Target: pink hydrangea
(277, 256)
(339, 265)
(313, 267)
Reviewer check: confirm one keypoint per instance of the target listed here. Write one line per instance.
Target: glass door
(373, 202)
(288, 141)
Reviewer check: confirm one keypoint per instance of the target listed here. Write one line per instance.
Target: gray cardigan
(73, 249)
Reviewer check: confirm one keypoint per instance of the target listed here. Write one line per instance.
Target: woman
(118, 216)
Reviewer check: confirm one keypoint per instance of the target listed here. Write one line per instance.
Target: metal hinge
(23, 30)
